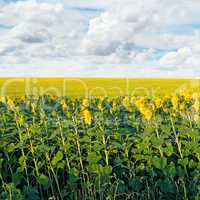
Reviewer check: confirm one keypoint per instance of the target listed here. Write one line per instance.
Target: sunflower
(114, 106)
(126, 102)
(140, 103)
(186, 95)
(23, 98)
(33, 108)
(85, 103)
(147, 112)
(175, 102)
(158, 102)
(2, 99)
(64, 105)
(86, 115)
(10, 103)
(196, 105)
(100, 104)
(182, 107)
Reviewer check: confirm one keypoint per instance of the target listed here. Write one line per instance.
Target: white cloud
(100, 34)
(41, 31)
(118, 27)
(177, 57)
(183, 58)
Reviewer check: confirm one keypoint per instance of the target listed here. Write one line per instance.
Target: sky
(100, 38)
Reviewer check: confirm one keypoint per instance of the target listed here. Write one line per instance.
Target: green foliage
(48, 152)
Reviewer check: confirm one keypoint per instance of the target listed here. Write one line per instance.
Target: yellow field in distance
(84, 87)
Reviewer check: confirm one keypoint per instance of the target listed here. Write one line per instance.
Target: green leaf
(94, 168)
(106, 170)
(180, 172)
(1, 163)
(166, 128)
(11, 147)
(136, 184)
(74, 172)
(118, 145)
(61, 165)
(43, 180)
(17, 178)
(183, 162)
(93, 157)
(169, 149)
(68, 114)
(157, 142)
(30, 193)
(192, 164)
(172, 169)
(58, 157)
(166, 186)
(159, 163)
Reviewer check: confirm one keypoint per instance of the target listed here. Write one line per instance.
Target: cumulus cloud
(147, 36)
(136, 32)
(40, 30)
(187, 57)
(176, 58)
(116, 29)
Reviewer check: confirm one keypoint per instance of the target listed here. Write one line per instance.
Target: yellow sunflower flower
(100, 104)
(147, 112)
(10, 103)
(158, 102)
(2, 99)
(196, 105)
(85, 103)
(186, 95)
(140, 103)
(23, 98)
(182, 107)
(173, 113)
(86, 115)
(126, 102)
(114, 106)
(175, 101)
(33, 108)
(64, 105)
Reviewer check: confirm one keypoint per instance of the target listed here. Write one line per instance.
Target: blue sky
(135, 38)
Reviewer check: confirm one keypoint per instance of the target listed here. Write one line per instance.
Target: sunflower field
(131, 147)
